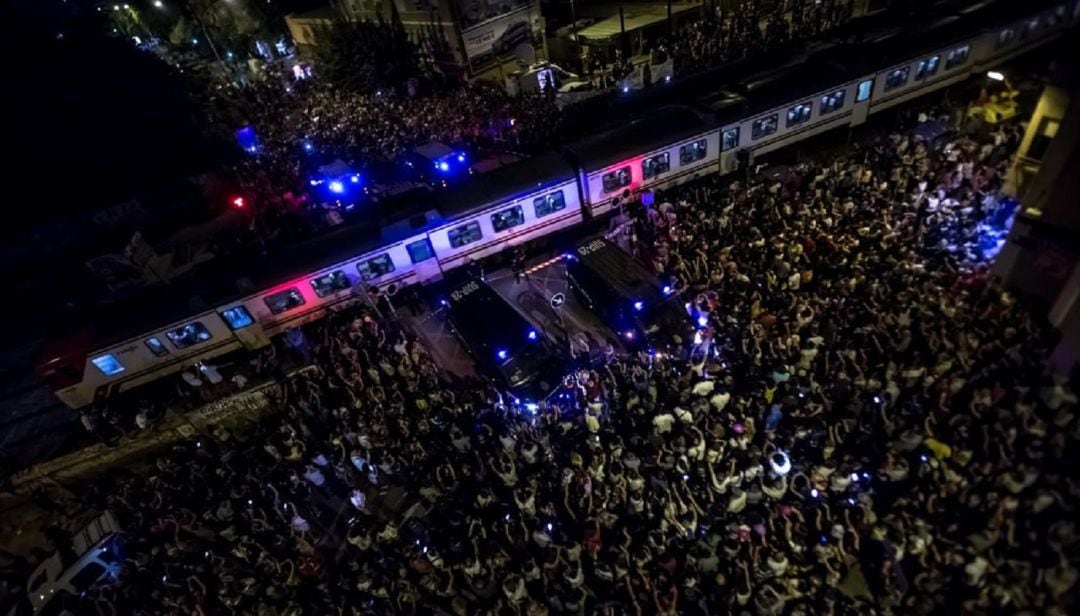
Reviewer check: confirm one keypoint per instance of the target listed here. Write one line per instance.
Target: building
(472, 39)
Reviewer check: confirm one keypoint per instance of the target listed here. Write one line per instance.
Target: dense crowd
(305, 124)
(866, 425)
(750, 28)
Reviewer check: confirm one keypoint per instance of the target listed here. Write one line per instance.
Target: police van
(643, 311)
(504, 343)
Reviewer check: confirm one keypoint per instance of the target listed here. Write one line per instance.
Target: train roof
(662, 127)
(515, 179)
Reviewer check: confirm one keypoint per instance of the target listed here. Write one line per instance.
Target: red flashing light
(238, 203)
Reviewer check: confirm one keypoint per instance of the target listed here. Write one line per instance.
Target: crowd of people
(751, 28)
(866, 425)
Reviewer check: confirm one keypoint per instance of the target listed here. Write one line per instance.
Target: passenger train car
(755, 113)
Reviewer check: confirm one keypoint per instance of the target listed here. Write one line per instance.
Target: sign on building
(492, 28)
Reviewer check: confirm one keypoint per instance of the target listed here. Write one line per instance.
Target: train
(748, 115)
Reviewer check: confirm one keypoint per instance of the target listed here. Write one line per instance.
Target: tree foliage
(366, 56)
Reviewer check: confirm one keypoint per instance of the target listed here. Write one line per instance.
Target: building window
(285, 300)
(373, 268)
(508, 218)
(799, 113)
(328, 284)
(832, 102)
(652, 167)
(188, 335)
(420, 250)
(616, 179)
(957, 57)
(866, 88)
(237, 317)
(763, 127)
(542, 206)
(693, 152)
(1005, 36)
(729, 139)
(465, 234)
(926, 68)
(156, 347)
(108, 365)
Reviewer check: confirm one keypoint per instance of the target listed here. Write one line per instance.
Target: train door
(864, 88)
(422, 256)
(729, 146)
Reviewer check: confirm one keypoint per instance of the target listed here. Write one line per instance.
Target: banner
(500, 33)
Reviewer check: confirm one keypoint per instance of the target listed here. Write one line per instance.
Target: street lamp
(995, 75)
(159, 4)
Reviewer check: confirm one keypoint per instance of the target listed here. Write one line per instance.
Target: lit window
(764, 127)
(284, 301)
(542, 206)
(693, 152)
(832, 102)
(957, 57)
(926, 68)
(508, 218)
(866, 88)
(729, 139)
(108, 365)
(897, 78)
(616, 179)
(237, 318)
(187, 335)
(420, 250)
(799, 113)
(331, 283)
(1032, 26)
(1005, 37)
(465, 234)
(652, 167)
(156, 346)
(375, 267)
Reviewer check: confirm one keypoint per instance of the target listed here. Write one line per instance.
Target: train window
(799, 113)
(328, 284)
(763, 127)
(542, 206)
(832, 102)
(188, 335)
(1005, 37)
(926, 68)
(465, 234)
(1056, 16)
(374, 267)
(897, 78)
(693, 152)
(1032, 26)
(156, 346)
(108, 365)
(237, 317)
(957, 57)
(729, 139)
(865, 89)
(420, 250)
(652, 167)
(508, 218)
(284, 301)
(616, 179)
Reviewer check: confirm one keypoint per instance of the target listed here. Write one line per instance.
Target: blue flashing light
(501, 354)
(639, 305)
(444, 166)
(625, 89)
(667, 290)
(337, 187)
(531, 407)
(315, 182)
(703, 321)
(355, 179)
(629, 334)
(461, 158)
(533, 335)
(308, 147)
(667, 78)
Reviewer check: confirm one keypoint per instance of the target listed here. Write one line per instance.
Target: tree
(366, 56)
